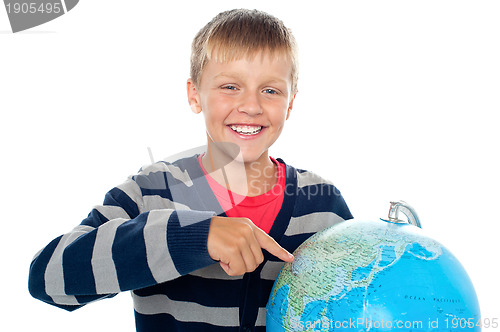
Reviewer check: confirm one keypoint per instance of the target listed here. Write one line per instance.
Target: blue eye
(229, 87)
(270, 91)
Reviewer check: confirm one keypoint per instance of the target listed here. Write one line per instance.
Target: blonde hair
(239, 33)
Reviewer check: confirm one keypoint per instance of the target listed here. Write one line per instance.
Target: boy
(187, 237)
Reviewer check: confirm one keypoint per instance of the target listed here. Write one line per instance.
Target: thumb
(268, 243)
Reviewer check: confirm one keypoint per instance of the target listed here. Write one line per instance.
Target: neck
(244, 178)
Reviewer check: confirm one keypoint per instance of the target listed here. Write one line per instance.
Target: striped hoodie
(149, 237)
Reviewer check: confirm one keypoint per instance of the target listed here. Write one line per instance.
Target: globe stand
(407, 210)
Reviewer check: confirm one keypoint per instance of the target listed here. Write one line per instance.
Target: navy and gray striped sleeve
(118, 248)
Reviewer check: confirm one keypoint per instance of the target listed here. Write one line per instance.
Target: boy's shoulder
(318, 200)
(308, 178)
(179, 165)
(183, 170)
(311, 184)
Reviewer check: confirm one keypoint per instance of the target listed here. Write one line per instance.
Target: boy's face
(245, 102)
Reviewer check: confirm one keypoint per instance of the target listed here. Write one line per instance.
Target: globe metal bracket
(407, 210)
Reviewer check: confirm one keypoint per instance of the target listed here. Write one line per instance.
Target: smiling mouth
(246, 129)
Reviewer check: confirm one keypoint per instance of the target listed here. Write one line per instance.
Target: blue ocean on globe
(373, 276)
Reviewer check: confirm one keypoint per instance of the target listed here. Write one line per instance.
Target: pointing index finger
(268, 243)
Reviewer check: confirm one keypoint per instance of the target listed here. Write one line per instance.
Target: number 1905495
(462, 323)
(33, 7)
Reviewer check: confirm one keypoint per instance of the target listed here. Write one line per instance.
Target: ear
(193, 96)
(290, 106)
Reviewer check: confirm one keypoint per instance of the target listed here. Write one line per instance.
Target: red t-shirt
(262, 209)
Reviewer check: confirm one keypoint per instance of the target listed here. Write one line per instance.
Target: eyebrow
(228, 75)
(235, 76)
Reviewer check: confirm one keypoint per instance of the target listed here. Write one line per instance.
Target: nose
(250, 104)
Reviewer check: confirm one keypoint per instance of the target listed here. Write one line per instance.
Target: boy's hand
(237, 244)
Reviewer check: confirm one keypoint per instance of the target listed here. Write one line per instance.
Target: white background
(397, 100)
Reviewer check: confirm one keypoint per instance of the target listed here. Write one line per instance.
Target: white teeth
(246, 130)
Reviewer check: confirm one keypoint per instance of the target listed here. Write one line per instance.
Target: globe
(373, 276)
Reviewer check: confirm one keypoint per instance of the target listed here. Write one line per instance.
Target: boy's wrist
(187, 240)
